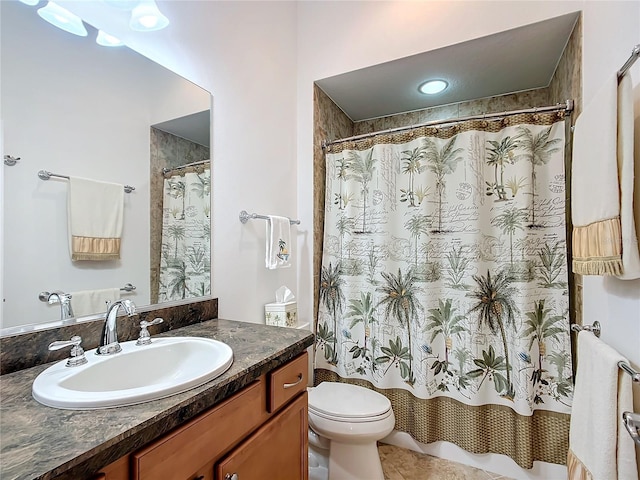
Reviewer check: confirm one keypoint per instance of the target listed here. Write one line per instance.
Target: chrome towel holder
(595, 328)
(245, 217)
(46, 175)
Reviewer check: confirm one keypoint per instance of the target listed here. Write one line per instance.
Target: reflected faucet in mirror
(109, 339)
(64, 299)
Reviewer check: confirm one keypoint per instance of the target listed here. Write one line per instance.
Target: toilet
(345, 422)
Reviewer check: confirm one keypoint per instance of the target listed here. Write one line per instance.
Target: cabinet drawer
(202, 439)
(287, 381)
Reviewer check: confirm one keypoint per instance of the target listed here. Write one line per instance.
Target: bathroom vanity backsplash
(26, 350)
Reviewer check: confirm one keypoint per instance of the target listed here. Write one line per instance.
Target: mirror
(74, 108)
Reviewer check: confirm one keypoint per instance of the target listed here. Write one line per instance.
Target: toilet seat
(343, 402)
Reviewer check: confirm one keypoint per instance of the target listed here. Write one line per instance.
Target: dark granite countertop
(38, 442)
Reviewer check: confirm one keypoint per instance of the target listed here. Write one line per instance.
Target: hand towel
(630, 251)
(88, 302)
(599, 446)
(278, 247)
(595, 198)
(95, 218)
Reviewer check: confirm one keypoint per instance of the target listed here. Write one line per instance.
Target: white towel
(630, 251)
(88, 302)
(278, 247)
(95, 217)
(595, 198)
(598, 440)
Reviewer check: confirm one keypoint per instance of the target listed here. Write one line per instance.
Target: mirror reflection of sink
(137, 374)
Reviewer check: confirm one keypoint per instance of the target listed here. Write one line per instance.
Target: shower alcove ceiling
(530, 66)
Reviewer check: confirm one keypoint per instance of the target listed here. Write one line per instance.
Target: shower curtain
(444, 282)
(185, 269)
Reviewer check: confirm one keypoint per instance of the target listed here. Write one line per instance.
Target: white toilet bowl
(349, 420)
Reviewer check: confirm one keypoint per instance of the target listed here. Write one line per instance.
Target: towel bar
(128, 288)
(244, 217)
(632, 424)
(625, 367)
(594, 328)
(45, 175)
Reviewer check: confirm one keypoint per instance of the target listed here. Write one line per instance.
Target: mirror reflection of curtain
(444, 282)
(185, 269)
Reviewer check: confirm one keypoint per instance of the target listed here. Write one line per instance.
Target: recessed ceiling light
(431, 87)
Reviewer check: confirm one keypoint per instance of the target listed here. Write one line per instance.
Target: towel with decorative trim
(599, 446)
(95, 219)
(602, 185)
(278, 247)
(626, 166)
(88, 302)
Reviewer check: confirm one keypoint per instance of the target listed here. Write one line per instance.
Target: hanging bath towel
(604, 235)
(278, 248)
(599, 446)
(95, 216)
(88, 302)
(626, 167)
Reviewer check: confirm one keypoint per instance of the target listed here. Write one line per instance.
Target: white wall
(74, 108)
(244, 53)
(337, 37)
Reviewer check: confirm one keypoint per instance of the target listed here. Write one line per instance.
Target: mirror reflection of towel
(278, 247)
(88, 302)
(95, 218)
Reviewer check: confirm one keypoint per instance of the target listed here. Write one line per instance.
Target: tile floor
(402, 464)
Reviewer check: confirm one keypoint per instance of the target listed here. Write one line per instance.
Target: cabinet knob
(231, 476)
(199, 477)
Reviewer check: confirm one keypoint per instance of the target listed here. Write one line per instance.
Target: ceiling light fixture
(107, 40)
(431, 87)
(146, 17)
(31, 3)
(62, 18)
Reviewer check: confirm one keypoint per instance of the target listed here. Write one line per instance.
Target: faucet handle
(145, 337)
(76, 357)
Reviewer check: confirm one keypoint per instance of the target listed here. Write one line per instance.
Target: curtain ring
(535, 115)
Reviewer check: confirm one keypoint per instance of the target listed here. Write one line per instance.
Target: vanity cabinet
(259, 432)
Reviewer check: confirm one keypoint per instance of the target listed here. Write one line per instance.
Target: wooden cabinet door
(178, 454)
(278, 450)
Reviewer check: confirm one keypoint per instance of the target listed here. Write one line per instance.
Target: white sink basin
(137, 374)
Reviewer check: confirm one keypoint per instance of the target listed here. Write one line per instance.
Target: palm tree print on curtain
(462, 294)
(185, 268)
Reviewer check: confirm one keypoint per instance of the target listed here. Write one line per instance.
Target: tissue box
(281, 314)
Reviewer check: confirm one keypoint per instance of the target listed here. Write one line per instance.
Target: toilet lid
(344, 400)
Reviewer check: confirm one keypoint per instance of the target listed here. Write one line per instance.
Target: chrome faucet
(109, 338)
(64, 299)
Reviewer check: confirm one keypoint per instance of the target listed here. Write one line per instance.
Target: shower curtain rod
(567, 107)
(193, 164)
(635, 53)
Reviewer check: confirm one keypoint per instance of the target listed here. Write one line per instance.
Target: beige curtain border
(543, 436)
